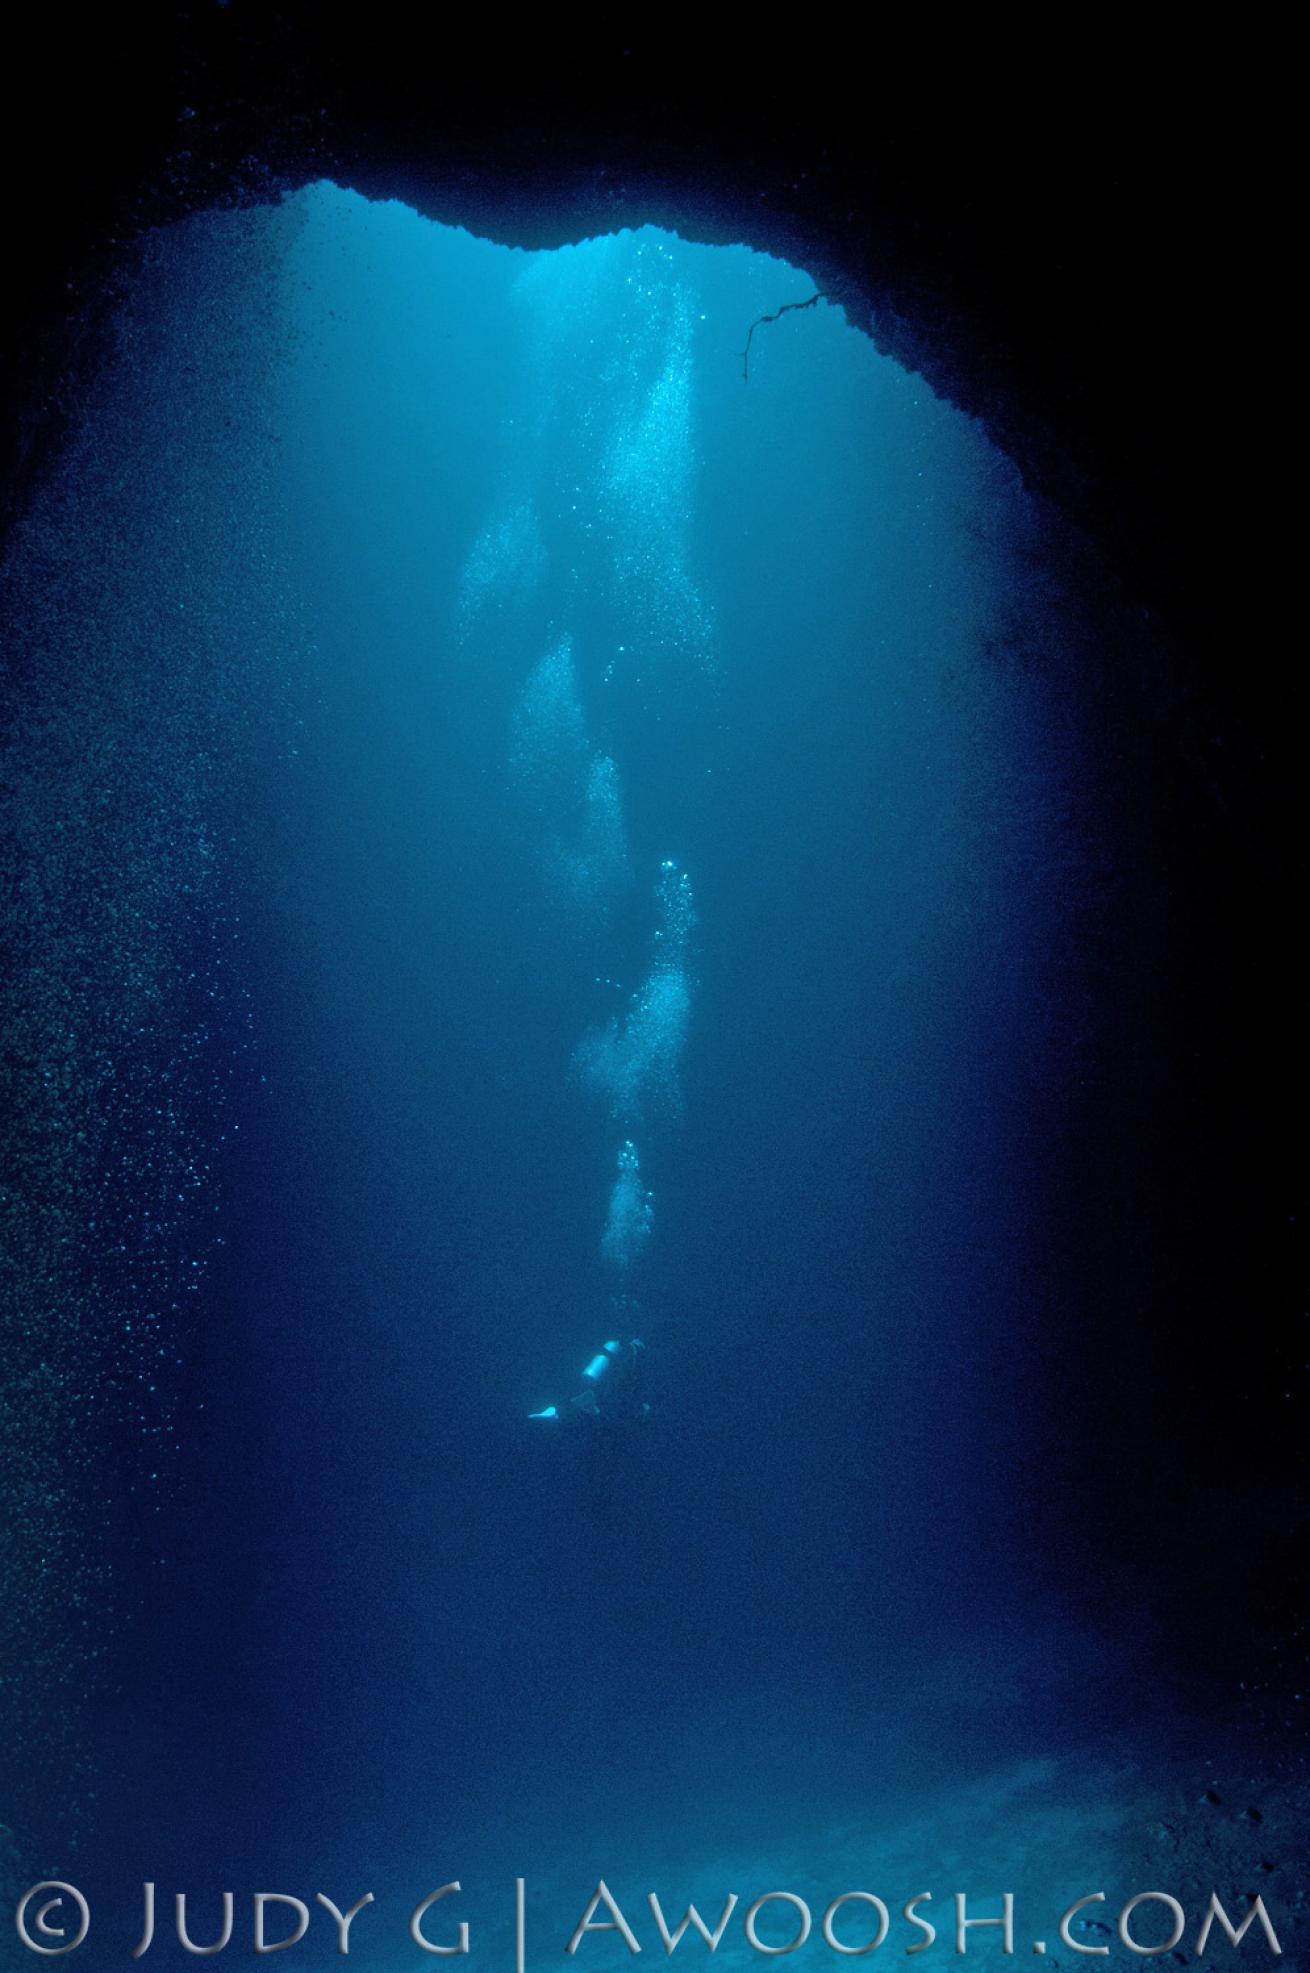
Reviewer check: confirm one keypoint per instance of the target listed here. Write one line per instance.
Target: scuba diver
(608, 1393)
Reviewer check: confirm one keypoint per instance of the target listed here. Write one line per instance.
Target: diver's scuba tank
(602, 1363)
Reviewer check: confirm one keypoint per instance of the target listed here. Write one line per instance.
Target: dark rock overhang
(1035, 227)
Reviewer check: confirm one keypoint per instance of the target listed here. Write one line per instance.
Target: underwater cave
(522, 829)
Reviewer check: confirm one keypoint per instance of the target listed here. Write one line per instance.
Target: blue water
(618, 824)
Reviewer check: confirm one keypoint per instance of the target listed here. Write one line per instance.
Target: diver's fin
(550, 1412)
